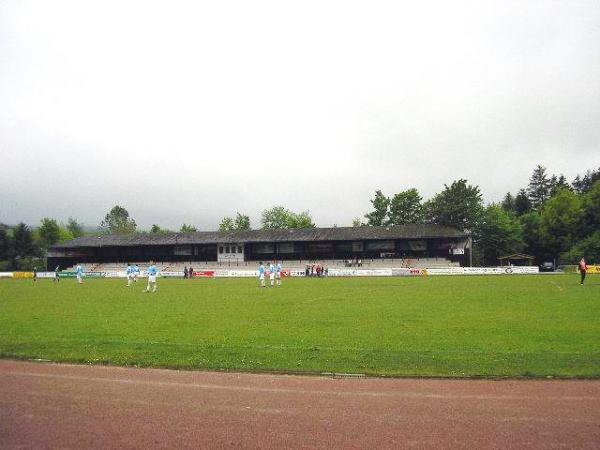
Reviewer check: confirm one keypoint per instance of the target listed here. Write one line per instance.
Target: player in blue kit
(278, 273)
(79, 271)
(261, 274)
(130, 274)
(152, 273)
(136, 272)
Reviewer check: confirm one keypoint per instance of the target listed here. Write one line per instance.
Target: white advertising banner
(6, 274)
(236, 273)
(360, 272)
(521, 269)
(516, 270)
(45, 274)
(116, 274)
(406, 272)
(446, 271)
(171, 274)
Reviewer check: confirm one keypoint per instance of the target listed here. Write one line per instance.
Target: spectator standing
(582, 270)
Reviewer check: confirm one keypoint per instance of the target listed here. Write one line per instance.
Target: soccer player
(136, 272)
(152, 272)
(278, 273)
(56, 271)
(261, 274)
(34, 275)
(582, 269)
(79, 270)
(272, 273)
(130, 274)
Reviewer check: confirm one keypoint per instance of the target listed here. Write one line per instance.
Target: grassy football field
(532, 326)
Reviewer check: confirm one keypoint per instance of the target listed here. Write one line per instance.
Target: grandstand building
(242, 247)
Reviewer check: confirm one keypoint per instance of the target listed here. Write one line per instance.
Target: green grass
(532, 326)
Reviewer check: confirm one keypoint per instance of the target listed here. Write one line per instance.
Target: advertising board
(203, 273)
(407, 272)
(45, 274)
(22, 274)
(73, 274)
(445, 271)
(593, 269)
(360, 272)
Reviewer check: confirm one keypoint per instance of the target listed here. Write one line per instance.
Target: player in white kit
(272, 274)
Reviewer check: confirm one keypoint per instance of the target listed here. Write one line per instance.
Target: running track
(68, 406)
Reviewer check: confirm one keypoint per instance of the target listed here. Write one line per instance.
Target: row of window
(230, 249)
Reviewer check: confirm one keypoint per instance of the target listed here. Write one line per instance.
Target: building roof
(293, 235)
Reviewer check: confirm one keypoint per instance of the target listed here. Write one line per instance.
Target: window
(227, 249)
(240, 249)
(220, 249)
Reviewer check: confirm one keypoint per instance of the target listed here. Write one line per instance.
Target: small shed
(517, 259)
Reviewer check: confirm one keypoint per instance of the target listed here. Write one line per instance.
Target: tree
(23, 241)
(356, 222)
(405, 207)
(279, 217)
(155, 229)
(522, 203)
(591, 210)
(378, 216)
(584, 185)
(459, 205)
(534, 245)
(560, 222)
(508, 204)
(275, 218)
(301, 220)
(5, 243)
(242, 222)
(558, 184)
(539, 187)
(75, 228)
(188, 228)
(64, 234)
(498, 234)
(49, 232)
(589, 248)
(117, 221)
(227, 224)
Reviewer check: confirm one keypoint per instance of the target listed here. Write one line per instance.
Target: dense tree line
(23, 248)
(550, 219)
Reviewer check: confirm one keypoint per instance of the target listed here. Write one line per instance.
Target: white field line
(207, 386)
(556, 285)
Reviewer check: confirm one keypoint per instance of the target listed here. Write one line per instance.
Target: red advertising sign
(204, 273)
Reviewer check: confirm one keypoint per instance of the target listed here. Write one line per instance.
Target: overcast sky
(191, 111)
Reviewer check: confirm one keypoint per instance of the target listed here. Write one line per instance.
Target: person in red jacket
(582, 269)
